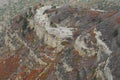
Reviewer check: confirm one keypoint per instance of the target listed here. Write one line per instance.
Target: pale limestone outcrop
(50, 35)
(89, 44)
(86, 46)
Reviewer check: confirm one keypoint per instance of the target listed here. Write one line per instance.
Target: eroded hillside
(61, 43)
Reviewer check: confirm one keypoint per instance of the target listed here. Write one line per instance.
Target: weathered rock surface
(61, 43)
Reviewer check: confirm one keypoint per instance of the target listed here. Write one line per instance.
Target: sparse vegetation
(115, 33)
(72, 44)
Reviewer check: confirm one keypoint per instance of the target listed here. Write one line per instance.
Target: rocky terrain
(61, 43)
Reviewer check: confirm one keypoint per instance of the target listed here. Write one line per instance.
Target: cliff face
(61, 43)
(87, 44)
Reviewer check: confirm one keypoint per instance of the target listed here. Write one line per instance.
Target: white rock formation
(52, 36)
(83, 41)
(87, 44)
(67, 67)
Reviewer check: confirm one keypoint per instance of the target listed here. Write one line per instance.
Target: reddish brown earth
(9, 66)
(24, 64)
